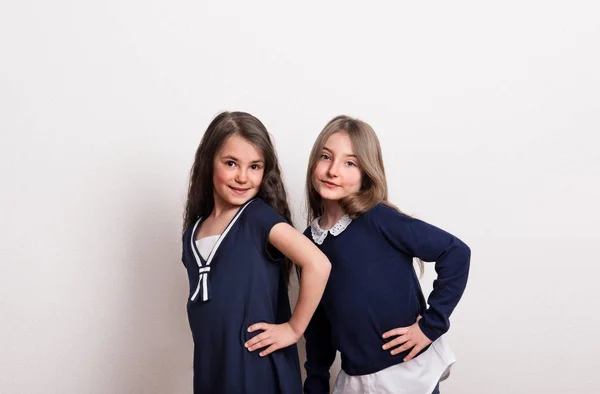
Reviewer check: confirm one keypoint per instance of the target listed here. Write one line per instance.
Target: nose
(333, 170)
(241, 176)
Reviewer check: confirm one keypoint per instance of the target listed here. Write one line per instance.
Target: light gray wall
(487, 112)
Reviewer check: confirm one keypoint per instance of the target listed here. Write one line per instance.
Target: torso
(245, 288)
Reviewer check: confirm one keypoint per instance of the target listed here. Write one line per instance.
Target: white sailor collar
(319, 235)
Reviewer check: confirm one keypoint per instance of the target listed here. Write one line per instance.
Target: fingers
(395, 342)
(269, 350)
(259, 345)
(260, 337)
(406, 339)
(252, 343)
(273, 337)
(258, 326)
(396, 332)
(413, 353)
(407, 345)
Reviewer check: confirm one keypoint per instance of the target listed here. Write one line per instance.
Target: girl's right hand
(275, 336)
(407, 337)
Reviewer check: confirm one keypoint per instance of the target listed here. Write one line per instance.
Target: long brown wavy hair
(200, 200)
(374, 189)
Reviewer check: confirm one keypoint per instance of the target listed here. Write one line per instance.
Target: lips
(238, 191)
(330, 184)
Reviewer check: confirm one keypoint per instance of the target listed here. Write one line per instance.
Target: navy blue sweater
(373, 288)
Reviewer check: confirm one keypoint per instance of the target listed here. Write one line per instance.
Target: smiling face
(238, 171)
(337, 173)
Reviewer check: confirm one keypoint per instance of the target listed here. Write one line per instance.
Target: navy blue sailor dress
(239, 284)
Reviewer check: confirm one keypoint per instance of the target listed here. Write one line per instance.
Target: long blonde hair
(374, 189)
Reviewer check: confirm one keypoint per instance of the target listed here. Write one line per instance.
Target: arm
(429, 243)
(315, 272)
(320, 353)
(452, 259)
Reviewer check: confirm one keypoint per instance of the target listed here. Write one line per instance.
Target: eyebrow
(347, 155)
(229, 157)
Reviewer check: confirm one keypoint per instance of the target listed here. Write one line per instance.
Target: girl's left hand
(408, 337)
(275, 336)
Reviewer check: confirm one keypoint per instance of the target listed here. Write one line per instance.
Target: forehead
(339, 143)
(240, 148)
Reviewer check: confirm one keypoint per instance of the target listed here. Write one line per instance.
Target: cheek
(319, 170)
(355, 181)
(220, 175)
(257, 178)
(316, 175)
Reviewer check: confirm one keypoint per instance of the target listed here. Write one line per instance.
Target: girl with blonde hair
(373, 310)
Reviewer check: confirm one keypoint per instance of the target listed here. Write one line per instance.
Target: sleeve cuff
(430, 331)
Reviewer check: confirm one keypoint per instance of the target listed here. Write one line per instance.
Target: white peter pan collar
(319, 235)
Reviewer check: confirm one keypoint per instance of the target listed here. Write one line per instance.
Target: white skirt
(417, 376)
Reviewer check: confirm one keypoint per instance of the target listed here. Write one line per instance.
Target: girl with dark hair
(237, 247)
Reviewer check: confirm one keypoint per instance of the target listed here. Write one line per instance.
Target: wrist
(296, 328)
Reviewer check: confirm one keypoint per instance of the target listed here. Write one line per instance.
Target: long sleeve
(320, 353)
(429, 243)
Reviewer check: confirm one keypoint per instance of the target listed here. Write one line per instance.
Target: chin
(330, 195)
(240, 200)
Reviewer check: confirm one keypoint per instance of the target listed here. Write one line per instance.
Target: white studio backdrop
(487, 113)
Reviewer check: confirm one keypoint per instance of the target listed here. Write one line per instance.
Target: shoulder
(384, 213)
(259, 205)
(258, 208)
(262, 214)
